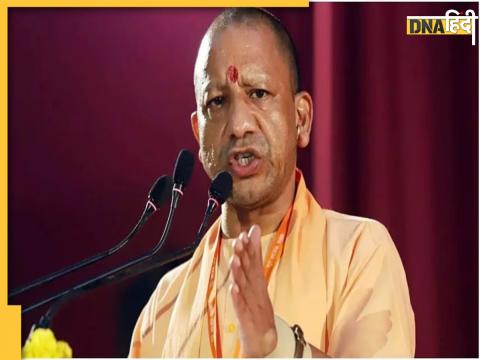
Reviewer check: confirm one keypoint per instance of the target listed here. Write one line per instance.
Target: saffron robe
(340, 278)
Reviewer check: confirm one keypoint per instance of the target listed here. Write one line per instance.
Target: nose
(241, 119)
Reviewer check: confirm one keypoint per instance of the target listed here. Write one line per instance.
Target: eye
(216, 101)
(258, 93)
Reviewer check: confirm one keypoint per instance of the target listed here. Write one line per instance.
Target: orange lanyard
(274, 254)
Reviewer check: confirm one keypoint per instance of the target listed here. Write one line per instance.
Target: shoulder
(346, 234)
(343, 235)
(168, 281)
(157, 309)
(166, 291)
(175, 273)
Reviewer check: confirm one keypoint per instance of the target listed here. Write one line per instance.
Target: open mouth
(244, 163)
(244, 159)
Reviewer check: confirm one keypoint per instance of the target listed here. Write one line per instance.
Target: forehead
(252, 48)
(244, 41)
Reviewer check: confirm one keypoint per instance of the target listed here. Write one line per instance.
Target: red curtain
(396, 139)
(99, 105)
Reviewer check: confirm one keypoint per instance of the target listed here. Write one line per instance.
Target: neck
(268, 217)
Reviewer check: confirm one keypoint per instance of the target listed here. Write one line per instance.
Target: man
(275, 264)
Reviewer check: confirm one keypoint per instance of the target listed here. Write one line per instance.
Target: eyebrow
(248, 79)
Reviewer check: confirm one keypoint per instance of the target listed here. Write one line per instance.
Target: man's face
(246, 113)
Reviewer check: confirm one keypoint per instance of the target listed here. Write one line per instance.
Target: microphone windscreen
(221, 187)
(161, 191)
(183, 168)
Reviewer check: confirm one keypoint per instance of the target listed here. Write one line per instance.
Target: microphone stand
(212, 205)
(120, 272)
(149, 210)
(111, 278)
(133, 268)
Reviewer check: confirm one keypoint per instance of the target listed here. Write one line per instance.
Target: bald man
(276, 275)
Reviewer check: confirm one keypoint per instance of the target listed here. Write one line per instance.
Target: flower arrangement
(41, 343)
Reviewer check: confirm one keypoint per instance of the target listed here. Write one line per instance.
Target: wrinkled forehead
(252, 49)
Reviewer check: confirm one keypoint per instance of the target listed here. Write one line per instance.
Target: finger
(248, 259)
(241, 251)
(248, 245)
(238, 273)
(238, 245)
(254, 237)
(252, 268)
(238, 300)
(257, 279)
(248, 289)
(240, 307)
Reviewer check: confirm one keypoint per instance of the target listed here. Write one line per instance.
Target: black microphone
(182, 173)
(159, 194)
(219, 191)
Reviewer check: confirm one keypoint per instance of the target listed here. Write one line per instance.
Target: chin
(249, 193)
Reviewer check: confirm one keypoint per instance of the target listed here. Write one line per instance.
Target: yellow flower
(63, 349)
(42, 343)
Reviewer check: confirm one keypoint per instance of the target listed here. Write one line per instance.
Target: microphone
(160, 192)
(221, 187)
(219, 191)
(158, 195)
(181, 177)
(182, 173)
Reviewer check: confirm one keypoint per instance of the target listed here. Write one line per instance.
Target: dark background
(99, 106)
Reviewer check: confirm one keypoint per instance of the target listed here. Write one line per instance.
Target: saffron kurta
(340, 278)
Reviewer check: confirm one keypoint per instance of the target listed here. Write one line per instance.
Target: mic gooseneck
(182, 172)
(159, 194)
(219, 191)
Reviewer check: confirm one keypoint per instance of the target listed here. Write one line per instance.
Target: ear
(194, 122)
(304, 117)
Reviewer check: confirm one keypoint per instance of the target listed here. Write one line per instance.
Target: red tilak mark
(232, 73)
